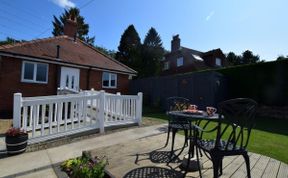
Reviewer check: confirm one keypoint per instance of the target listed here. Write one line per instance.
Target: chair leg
(186, 138)
(173, 140)
(247, 161)
(168, 134)
(198, 162)
(221, 166)
(189, 157)
(216, 164)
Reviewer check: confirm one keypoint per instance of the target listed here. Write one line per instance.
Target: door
(69, 78)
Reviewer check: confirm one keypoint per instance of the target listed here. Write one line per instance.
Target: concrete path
(40, 163)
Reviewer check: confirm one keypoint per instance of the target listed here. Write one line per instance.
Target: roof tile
(76, 52)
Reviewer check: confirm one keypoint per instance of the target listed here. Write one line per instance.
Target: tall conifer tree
(129, 49)
(152, 53)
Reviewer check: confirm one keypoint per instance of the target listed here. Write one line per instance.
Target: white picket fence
(48, 117)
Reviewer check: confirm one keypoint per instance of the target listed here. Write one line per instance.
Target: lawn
(269, 136)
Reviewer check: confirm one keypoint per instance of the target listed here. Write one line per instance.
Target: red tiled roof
(76, 52)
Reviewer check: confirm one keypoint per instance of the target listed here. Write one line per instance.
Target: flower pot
(16, 144)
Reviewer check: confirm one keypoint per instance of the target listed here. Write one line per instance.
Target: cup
(211, 110)
(192, 107)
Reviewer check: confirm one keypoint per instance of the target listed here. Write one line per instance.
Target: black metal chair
(174, 124)
(236, 120)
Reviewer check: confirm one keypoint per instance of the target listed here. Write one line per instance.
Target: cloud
(210, 15)
(64, 3)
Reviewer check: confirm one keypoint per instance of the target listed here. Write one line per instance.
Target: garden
(269, 136)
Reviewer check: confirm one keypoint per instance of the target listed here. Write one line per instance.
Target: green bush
(264, 82)
(85, 166)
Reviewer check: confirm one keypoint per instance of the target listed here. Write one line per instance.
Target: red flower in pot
(16, 140)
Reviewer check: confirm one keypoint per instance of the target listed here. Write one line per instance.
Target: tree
(249, 58)
(82, 27)
(129, 49)
(10, 41)
(152, 53)
(282, 57)
(107, 52)
(233, 59)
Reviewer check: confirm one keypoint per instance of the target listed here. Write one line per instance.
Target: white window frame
(109, 83)
(166, 65)
(216, 63)
(34, 73)
(180, 62)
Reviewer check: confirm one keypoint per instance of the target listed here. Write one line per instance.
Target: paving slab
(35, 164)
(24, 163)
(47, 172)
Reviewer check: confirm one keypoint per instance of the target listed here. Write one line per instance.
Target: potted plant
(16, 140)
(86, 166)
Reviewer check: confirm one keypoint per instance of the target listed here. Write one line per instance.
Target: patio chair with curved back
(174, 124)
(236, 119)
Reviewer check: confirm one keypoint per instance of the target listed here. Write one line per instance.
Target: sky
(231, 25)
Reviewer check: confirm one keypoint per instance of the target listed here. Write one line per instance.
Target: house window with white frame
(109, 80)
(166, 65)
(218, 62)
(34, 72)
(180, 61)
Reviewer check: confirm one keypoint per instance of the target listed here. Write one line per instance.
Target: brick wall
(10, 82)
(95, 81)
(188, 63)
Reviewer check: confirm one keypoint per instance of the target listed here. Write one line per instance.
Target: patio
(123, 148)
(144, 152)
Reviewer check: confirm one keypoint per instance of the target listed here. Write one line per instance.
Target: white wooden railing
(47, 117)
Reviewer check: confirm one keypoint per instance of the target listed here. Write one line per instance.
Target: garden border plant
(86, 166)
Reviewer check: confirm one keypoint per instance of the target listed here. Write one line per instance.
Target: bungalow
(39, 67)
(182, 59)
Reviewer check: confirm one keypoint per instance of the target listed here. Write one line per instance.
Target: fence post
(17, 110)
(118, 104)
(102, 112)
(139, 108)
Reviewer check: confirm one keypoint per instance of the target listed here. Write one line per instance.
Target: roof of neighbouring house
(71, 51)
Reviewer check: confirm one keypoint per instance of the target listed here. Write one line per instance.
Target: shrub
(85, 166)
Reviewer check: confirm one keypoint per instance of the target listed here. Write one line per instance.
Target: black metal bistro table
(192, 117)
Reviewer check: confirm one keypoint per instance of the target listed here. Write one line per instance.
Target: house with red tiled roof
(40, 67)
(183, 60)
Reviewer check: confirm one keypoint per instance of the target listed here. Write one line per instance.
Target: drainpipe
(88, 79)
(58, 52)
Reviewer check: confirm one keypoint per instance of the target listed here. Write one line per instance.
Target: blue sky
(232, 25)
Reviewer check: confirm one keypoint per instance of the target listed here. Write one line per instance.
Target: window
(166, 65)
(218, 62)
(109, 80)
(180, 61)
(34, 72)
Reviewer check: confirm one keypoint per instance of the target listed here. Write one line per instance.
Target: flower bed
(86, 167)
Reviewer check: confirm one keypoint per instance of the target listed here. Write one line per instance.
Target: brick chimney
(70, 27)
(175, 43)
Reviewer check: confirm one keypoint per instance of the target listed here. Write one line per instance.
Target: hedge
(265, 82)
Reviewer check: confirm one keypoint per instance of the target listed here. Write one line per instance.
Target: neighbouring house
(182, 59)
(39, 67)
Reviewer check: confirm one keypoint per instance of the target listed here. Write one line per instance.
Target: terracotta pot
(16, 144)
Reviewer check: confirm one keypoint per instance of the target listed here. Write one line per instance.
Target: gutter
(64, 63)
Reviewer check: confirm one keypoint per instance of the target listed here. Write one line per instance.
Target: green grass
(269, 136)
